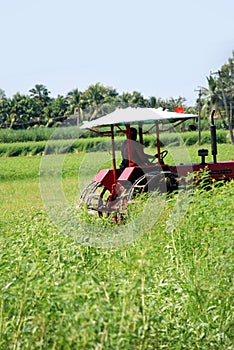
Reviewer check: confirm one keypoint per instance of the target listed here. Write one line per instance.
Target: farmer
(138, 157)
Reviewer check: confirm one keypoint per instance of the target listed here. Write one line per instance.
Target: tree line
(38, 108)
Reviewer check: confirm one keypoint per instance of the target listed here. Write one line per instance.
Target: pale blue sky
(160, 48)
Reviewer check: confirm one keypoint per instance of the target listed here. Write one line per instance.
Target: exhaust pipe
(213, 137)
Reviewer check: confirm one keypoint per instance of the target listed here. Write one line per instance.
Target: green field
(169, 289)
(33, 142)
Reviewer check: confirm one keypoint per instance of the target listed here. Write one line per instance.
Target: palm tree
(40, 92)
(76, 104)
(41, 99)
(134, 99)
(55, 111)
(5, 111)
(21, 111)
(138, 100)
(125, 99)
(99, 98)
(220, 94)
(212, 98)
(225, 84)
(152, 102)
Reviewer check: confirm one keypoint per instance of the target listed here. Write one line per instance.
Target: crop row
(74, 143)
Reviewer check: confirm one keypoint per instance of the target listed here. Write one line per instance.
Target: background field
(167, 290)
(63, 140)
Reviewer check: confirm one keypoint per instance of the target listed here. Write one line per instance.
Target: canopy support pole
(129, 143)
(158, 141)
(113, 154)
(140, 133)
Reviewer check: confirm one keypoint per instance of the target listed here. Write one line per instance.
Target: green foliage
(33, 134)
(72, 140)
(168, 290)
(219, 95)
(38, 108)
(43, 134)
(22, 148)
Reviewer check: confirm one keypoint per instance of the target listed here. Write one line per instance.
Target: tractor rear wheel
(147, 183)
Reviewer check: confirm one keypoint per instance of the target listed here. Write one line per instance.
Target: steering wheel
(163, 154)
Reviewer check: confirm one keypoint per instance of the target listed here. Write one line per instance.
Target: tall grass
(168, 290)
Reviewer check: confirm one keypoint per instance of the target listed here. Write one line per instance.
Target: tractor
(113, 189)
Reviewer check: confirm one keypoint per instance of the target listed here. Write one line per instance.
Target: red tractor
(112, 189)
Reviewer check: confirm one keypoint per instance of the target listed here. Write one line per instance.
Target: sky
(163, 48)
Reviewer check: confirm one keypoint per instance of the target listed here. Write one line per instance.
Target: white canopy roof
(134, 115)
